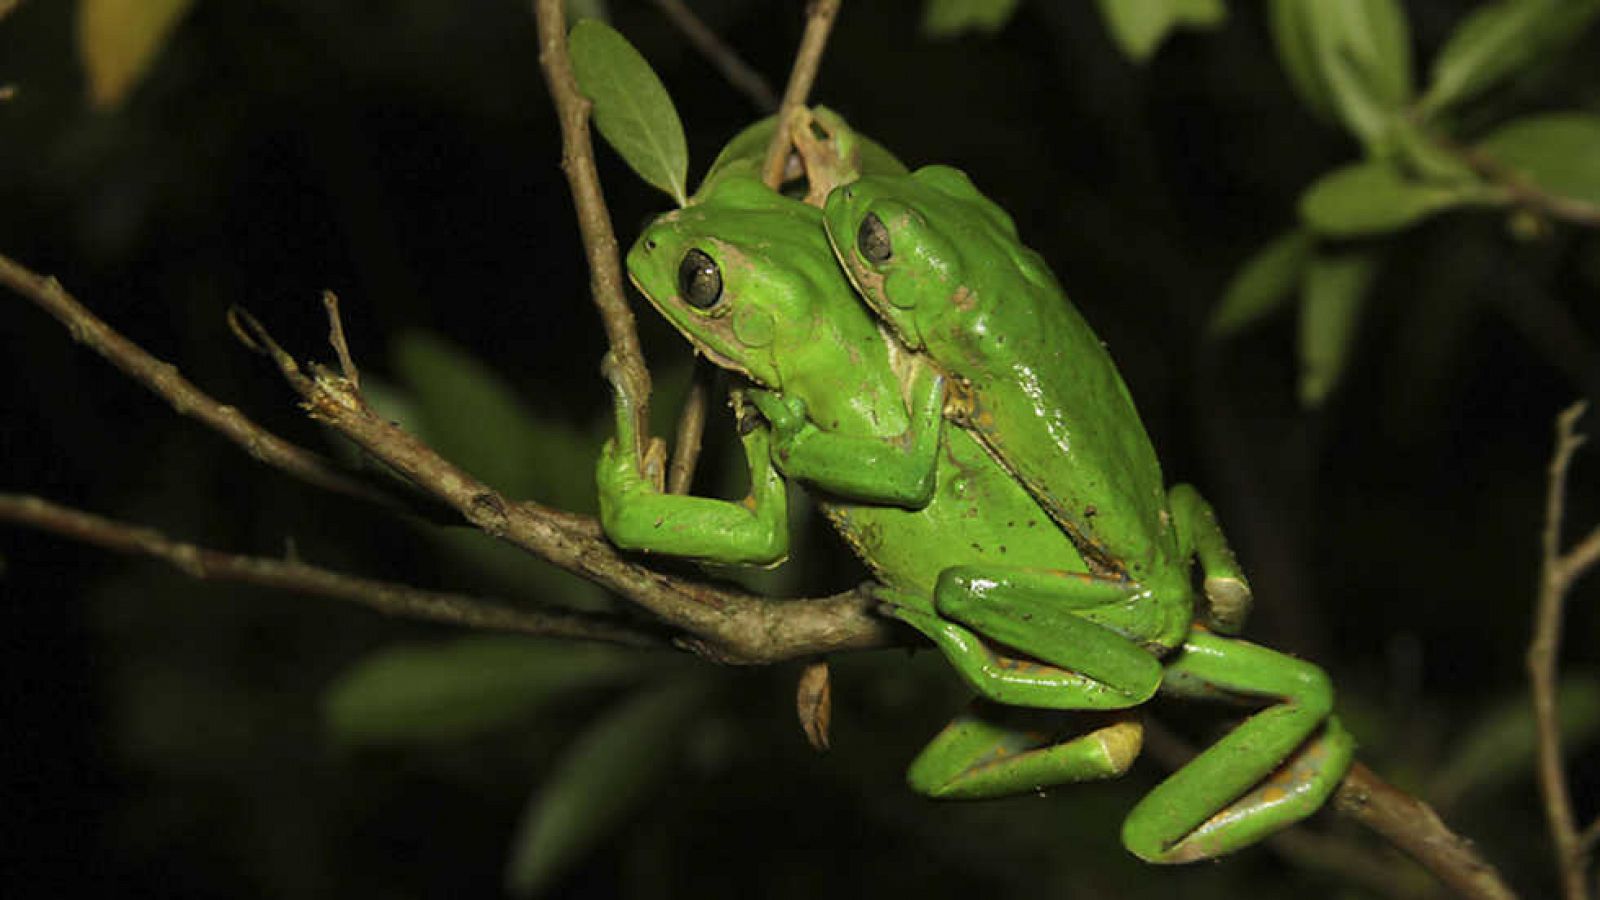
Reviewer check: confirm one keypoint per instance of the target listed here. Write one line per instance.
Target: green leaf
(445, 692)
(1558, 152)
(1376, 198)
(118, 40)
(1262, 284)
(599, 780)
(951, 18)
(1498, 41)
(1499, 747)
(631, 107)
(1350, 61)
(1139, 26)
(1332, 292)
(478, 422)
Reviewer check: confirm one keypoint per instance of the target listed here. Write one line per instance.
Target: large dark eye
(872, 240)
(699, 280)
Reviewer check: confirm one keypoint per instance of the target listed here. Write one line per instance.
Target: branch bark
(1412, 827)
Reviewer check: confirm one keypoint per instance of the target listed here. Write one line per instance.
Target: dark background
(164, 735)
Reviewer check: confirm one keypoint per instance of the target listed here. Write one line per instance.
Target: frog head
(921, 248)
(746, 275)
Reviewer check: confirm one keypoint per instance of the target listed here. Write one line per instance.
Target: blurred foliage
(1411, 178)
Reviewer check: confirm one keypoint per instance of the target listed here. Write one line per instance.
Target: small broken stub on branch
(814, 703)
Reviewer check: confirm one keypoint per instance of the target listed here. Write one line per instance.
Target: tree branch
(384, 597)
(1412, 826)
(594, 221)
(186, 399)
(1557, 574)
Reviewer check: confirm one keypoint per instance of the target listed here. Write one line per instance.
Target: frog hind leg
(1228, 596)
(995, 751)
(1066, 661)
(1002, 678)
(1263, 776)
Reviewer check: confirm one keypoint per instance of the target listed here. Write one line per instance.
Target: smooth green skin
(975, 563)
(954, 282)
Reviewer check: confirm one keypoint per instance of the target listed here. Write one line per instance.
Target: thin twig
(1517, 188)
(594, 222)
(735, 70)
(1557, 574)
(385, 597)
(691, 428)
(808, 59)
(347, 365)
(183, 395)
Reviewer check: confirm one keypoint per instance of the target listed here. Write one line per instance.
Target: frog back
(944, 266)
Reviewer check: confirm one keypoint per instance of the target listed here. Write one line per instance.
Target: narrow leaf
(1262, 284)
(1498, 41)
(951, 18)
(631, 107)
(1499, 746)
(1350, 61)
(442, 692)
(1375, 198)
(477, 421)
(1139, 26)
(119, 39)
(1332, 293)
(1291, 34)
(1559, 153)
(601, 778)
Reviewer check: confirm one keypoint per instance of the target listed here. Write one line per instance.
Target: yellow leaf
(119, 39)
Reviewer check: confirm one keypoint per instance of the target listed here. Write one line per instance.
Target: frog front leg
(1227, 592)
(898, 470)
(637, 515)
(1266, 774)
(996, 751)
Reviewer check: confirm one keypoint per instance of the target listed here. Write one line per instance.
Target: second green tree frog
(942, 265)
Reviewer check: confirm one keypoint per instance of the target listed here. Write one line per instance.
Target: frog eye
(872, 240)
(699, 279)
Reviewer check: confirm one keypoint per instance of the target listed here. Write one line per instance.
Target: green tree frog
(942, 265)
(966, 554)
